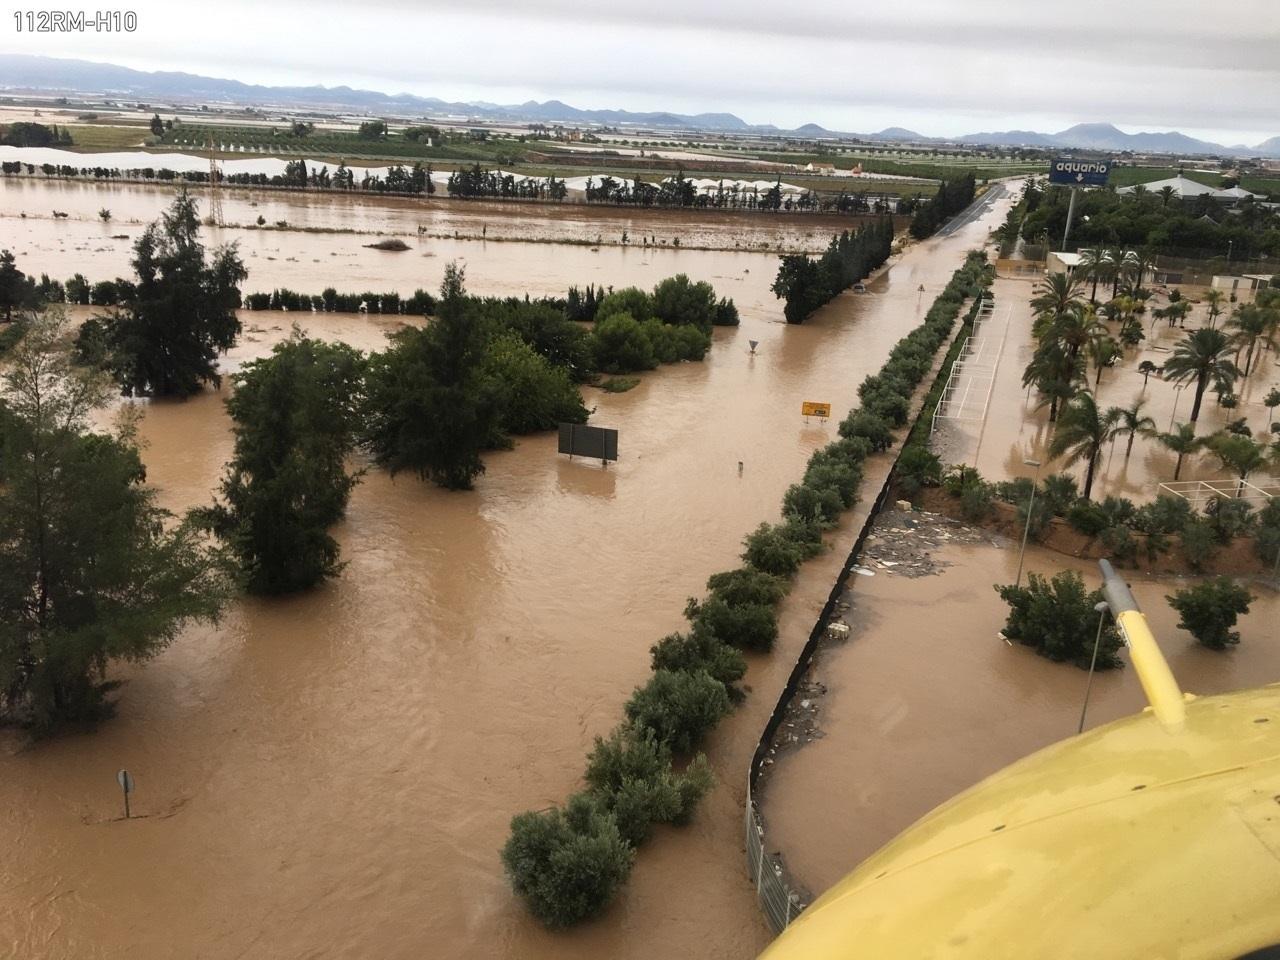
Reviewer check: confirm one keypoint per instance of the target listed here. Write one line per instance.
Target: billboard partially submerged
(580, 440)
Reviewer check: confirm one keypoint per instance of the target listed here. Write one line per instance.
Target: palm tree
(1124, 265)
(1182, 442)
(1200, 356)
(1131, 422)
(1073, 328)
(1082, 432)
(1271, 401)
(1250, 328)
(1143, 264)
(1055, 294)
(1056, 375)
(1166, 194)
(1146, 368)
(1214, 298)
(1093, 266)
(1102, 349)
(1241, 455)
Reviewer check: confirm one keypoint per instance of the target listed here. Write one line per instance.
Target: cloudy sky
(937, 66)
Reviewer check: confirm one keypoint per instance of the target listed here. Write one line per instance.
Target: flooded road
(31, 202)
(333, 775)
(924, 699)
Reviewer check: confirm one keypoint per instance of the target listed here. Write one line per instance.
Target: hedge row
(331, 301)
(569, 862)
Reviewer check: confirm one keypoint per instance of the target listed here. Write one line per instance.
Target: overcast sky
(940, 67)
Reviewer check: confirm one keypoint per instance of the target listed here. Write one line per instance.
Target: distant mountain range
(21, 72)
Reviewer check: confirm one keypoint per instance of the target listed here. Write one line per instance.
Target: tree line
(491, 184)
(94, 571)
(26, 134)
(953, 196)
(806, 284)
(568, 862)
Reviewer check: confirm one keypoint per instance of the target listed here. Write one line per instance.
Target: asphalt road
(974, 210)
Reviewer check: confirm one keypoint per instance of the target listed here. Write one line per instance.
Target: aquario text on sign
(1079, 173)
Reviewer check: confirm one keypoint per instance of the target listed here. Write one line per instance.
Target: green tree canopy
(91, 570)
(180, 315)
(294, 416)
(430, 409)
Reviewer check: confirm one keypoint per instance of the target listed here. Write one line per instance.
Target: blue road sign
(1079, 173)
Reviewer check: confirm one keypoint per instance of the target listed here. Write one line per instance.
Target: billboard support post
(1071, 212)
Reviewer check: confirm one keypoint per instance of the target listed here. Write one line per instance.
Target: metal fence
(779, 898)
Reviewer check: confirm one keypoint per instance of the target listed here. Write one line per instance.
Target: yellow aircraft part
(1129, 841)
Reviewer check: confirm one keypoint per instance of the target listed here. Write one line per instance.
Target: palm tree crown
(1201, 357)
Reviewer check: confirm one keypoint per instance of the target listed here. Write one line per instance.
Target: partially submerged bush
(567, 864)
(700, 649)
(1209, 611)
(679, 707)
(631, 775)
(1057, 618)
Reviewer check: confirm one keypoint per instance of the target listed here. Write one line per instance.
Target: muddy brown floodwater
(924, 700)
(134, 205)
(333, 775)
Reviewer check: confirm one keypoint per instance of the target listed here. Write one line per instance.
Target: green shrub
(1197, 541)
(770, 550)
(875, 430)
(700, 649)
(1087, 517)
(1229, 519)
(1164, 515)
(1059, 493)
(678, 300)
(567, 864)
(620, 345)
(1209, 611)
(818, 505)
(976, 502)
(918, 468)
(630, 775)
(679, 707)
(1057, 618)
(631, 301)
(1268, 542)
(842, 477)
(959, 478)
(747, 626)
(892, 407)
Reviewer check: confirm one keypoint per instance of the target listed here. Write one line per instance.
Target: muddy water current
(333, 775)
(925, 699)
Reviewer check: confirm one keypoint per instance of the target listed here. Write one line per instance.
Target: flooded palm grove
(334, 774)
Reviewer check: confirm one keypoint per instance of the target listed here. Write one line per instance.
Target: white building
(1184, 187)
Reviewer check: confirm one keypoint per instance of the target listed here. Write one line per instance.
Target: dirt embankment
(1239, 558)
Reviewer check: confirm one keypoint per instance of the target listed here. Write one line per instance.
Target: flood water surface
(333, 775)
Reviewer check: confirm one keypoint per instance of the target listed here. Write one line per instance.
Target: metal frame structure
(973, 374)
(1197, 492)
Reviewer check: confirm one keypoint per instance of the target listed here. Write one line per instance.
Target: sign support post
(1071, 212)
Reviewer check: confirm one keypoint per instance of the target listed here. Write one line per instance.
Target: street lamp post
(1177, 395)
(1026, 530)
(1101, 608)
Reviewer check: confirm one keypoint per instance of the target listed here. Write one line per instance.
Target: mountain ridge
(48, 74)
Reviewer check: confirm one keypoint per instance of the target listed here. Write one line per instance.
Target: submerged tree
(430, 408)
(294, 419)
(1182, 442)
(172, 324)
(90, 570)
(17, 290)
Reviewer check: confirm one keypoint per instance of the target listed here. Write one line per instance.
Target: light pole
(1177, 395)
(1026, 530)
(1102, 608)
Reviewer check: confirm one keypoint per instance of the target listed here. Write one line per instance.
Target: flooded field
(1017, 429)
(332, 775)
(134, 205)
(924, 700)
